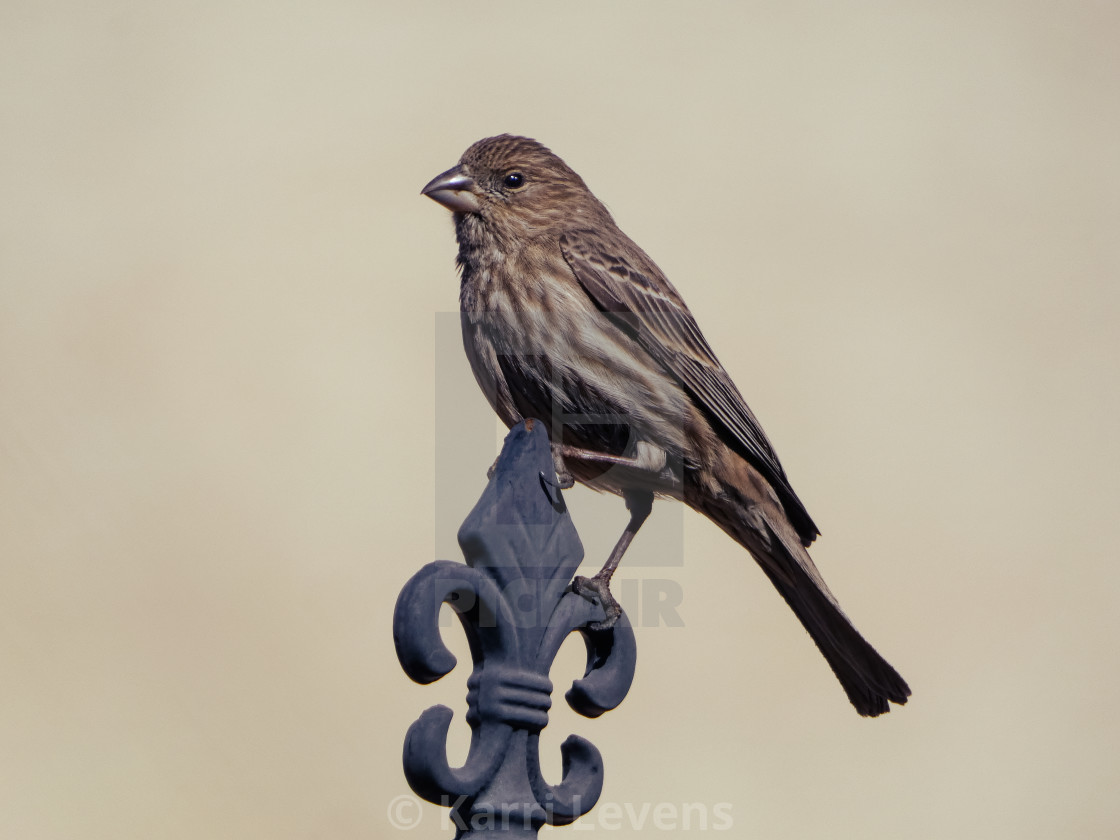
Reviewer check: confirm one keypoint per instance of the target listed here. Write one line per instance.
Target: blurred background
(226, 368)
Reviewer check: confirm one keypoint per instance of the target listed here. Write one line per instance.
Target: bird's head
(515, 186)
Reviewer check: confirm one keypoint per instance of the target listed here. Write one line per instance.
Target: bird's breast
(540, 348)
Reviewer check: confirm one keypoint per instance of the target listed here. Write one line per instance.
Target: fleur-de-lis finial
(514, 602)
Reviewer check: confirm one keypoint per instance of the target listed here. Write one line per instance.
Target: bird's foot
(597, 590)
(564, 478)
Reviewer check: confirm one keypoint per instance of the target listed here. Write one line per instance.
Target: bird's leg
(639, 503)
(651, 460)
(560, 451)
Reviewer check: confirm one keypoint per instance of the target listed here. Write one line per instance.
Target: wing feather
(644, 304)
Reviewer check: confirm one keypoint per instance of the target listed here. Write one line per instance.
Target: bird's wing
(642, 302)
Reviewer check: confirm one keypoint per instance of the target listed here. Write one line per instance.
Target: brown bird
(566, 320)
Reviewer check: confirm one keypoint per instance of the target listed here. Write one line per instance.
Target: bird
(567, 321)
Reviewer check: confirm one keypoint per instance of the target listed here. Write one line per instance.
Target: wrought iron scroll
(514, 602)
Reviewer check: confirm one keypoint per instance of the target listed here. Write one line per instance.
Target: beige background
(897, 224)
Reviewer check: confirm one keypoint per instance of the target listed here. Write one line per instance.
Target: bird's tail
(868, 679)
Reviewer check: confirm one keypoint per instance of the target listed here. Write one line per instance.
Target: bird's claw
(597, 591)
(564, 478)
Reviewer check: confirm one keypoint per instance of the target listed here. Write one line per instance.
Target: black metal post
(515, 605)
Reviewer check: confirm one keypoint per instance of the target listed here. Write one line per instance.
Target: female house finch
(566, 320)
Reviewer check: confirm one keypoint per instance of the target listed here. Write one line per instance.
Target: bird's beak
(454, 190)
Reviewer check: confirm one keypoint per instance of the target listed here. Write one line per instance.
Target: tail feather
(868, 679)
(761, 527)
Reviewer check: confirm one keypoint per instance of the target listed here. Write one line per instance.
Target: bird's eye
(514, 180)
